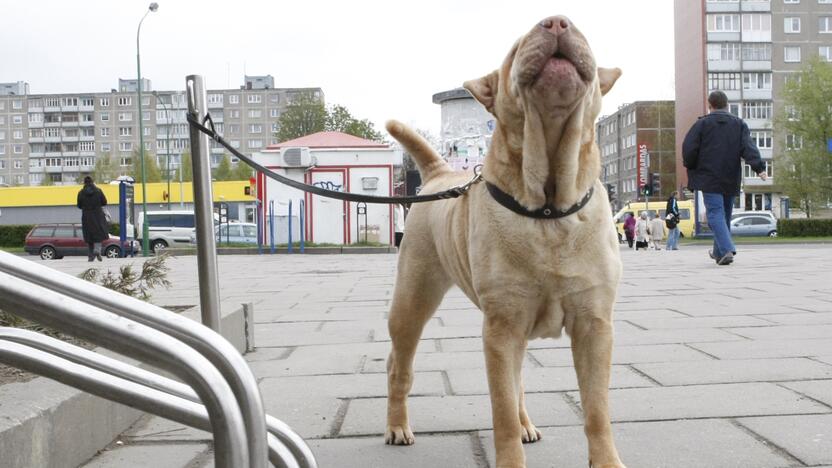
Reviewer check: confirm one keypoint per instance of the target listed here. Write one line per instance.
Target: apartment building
(637, 144)
(59, 136)
(748, 49)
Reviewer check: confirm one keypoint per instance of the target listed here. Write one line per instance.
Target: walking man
(671, 216)
(91, 201)
(712, 153)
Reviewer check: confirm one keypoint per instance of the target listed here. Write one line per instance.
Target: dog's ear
(607, 77)
(484, 89)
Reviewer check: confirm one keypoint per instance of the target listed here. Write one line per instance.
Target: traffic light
(648, 187)
(611, 192)
(656, 183)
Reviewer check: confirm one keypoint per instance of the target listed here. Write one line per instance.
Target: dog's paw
(607, 465)
(398, 435)
(529, 433)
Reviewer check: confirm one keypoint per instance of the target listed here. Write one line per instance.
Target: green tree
(47, 181)
(186, 167)
(105, 168)
(304, 116)
(223, 170)
(242, 171)
(151, 169)
(804, 170)
(339, 119)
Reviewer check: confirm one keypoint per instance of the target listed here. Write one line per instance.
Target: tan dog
(532, 278)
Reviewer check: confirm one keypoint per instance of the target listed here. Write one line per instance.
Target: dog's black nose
(557, 25)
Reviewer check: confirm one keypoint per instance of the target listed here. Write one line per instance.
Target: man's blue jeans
(718, 208)
(673, 238)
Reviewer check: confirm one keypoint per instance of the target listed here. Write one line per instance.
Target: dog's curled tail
(427, 159)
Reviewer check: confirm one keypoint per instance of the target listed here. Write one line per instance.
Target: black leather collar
(547, 212)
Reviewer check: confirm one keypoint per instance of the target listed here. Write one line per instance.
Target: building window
(233, 98)
(275, 127)
(105, 131)
(760, 110)
(749, 173)
(87, 117)
(53, 102)
(756, 81)
(791, 53)
(17, 119)
(825, 24)
(255, 99)
(125, 131)
(145, 101)
(794, 141)
(215, 99)
(17, 149)
(793, 2)
(723, 23)
(255, 128)
(2, 151)
(69, 102)
(17, 134)
(725, 51)
(125, 146)
(255, 114)
(762, 139)
(17, 104)
(125, 101)
(104, 116)
(274, 113)
(756, 52)
(2, 135)
(255, 144)
(20, 180)
(791, 25)
(104, 102)
(106, 147)
(724, 81)
(87, 146)
(145, 115)
(125, 116)
(87, 102)
(126, 161)
(756, 22)
(825, 53)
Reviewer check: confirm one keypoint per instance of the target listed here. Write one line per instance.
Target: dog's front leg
(504, 345)
(592, 353)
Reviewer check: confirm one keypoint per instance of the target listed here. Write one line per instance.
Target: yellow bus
(686, 222)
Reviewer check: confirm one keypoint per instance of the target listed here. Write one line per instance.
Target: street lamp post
(167, 142)
(145, 232)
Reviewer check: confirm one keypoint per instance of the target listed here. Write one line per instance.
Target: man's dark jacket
(712, 150)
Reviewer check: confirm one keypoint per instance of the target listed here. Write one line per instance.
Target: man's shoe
(726, 259)
(711, 254)
(98, 257)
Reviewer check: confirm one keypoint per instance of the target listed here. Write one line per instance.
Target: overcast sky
(381, 59)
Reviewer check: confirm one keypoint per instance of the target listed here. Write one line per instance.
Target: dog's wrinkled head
(545, 97)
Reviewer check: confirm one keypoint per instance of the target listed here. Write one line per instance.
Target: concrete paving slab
(706, 401)
(156, 429)
(272, 334)
(700, 322)
(820, 390)
(370, 452)
(439, 361)
(549, 379)
(347, 386)
(434, 332)
(785, 332)
(452, 413)
(626, 355)
(807, 438)
(744, 370)
(748, 349)
(666, 444)
(806, 318)
(148, 456)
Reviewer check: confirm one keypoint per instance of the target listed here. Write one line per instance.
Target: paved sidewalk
(713, 366)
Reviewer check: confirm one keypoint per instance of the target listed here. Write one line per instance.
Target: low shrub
(804, 227)
(14, 235)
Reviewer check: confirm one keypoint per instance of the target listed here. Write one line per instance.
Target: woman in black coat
(91, 201)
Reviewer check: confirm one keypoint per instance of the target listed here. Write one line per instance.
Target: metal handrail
(35, 302)
(117, 372)
(210, 344)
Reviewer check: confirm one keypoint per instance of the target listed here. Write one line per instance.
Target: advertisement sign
(643, 165)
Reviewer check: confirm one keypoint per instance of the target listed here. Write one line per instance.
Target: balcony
(36, 170)
(758, 124)
(723, 65)
(756, 65)
(766, 153)
(35, 110)
(36, 139)
(756, 36)
(36, 154)
(756, 5)
(87, 123)
(87, 138)
(52, 139)
(757, 182)
(757, 94)
(35, 124)
(86, 108)
(719, 7)
(54, 169)
(724, 36)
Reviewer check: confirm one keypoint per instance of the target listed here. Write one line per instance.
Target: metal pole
(271, 226)
(145, 228)
(167, 142)
(302, 220)
(289, 247)
(206, 245)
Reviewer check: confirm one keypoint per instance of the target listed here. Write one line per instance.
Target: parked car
(739, 214)
(52, 241)
(753, 224)
(233, 233)
(167, 228)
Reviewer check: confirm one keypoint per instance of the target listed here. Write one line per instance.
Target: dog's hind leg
(592, 352)
(529, 432)
(505, 344)
(419, 290)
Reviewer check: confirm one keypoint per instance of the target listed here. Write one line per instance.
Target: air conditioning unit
(296, 157)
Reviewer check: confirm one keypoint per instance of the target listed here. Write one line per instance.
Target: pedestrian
(91, 201)
(712, 153)
(630, 228)
(657, 231)
(672, 218)
(642, 231)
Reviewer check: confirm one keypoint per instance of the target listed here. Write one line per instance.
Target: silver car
(754, 224)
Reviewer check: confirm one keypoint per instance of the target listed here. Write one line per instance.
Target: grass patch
(14, 250)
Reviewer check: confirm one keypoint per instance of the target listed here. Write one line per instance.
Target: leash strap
(209, 130)
(547, 212)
